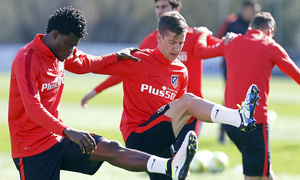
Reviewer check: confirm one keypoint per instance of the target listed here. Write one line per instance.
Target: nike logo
(153, 163)
(151, 76)
(176, 169)
(217, 111)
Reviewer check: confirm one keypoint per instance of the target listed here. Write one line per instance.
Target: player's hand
(126, 54)
(84, 139)
(203, 30)
(229, 37)
(87, 97)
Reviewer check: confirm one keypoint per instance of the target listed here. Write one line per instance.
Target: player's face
(170, 45)
(161, 7)
(249, 12)
(63, 45)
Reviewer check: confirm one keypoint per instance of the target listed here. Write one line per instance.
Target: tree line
(130, 21)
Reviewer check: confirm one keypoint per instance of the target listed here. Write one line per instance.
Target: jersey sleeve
(149, 42)
(123, 68)
(109, 82)
(28, 84)
(211, 40)
(80, 62)
(208, 47)
(286, 64)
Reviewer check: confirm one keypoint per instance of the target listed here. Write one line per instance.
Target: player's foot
(184, 156)
(247, 109)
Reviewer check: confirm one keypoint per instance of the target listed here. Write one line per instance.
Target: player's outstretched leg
(182, 159)
(247, 109)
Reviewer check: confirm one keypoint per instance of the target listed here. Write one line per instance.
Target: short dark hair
(172, 21)
(173, 3)
(252, 3)
(263, 20)
(68, 20)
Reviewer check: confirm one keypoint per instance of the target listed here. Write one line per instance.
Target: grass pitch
(103, 117)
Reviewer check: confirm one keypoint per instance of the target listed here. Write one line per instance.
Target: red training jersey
(37, 81)
(187, 57)
(147, 86)
(250, 59)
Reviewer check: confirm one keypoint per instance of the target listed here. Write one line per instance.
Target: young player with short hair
(156, 105)
(41, 143)
(250, 59)
(186, 56)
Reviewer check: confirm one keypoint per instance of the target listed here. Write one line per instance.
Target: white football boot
(184, 156)
(247, 109)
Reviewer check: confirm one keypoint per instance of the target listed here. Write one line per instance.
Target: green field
(103, 117)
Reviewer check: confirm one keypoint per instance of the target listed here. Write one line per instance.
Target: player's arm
(118, 71)
(207, 49)
(84, 139)
(109, 82)
(27, 80)
(80, 62)
(211, 40)
(286, 64)
(123, 68)
(27, 75)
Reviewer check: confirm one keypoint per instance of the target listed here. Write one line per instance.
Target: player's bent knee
(116, 145)
(186, 98)
(107, 149)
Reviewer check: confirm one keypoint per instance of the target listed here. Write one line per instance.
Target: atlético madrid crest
(174, 81)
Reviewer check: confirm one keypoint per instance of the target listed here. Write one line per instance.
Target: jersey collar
(40, 46)
(160, 57)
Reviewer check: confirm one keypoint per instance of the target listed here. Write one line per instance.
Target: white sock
(224, 115)
(157, 164)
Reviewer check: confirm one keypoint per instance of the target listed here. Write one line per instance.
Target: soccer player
(156, 105)
(237, 23)
(250, 59)
(41, 143)
(194, 65)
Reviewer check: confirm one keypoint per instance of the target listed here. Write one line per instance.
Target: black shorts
(255, 149)
(65, 155)
(154, 136)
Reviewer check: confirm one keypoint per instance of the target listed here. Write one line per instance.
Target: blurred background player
(250, 59)
(186, 56)
(239, 24)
